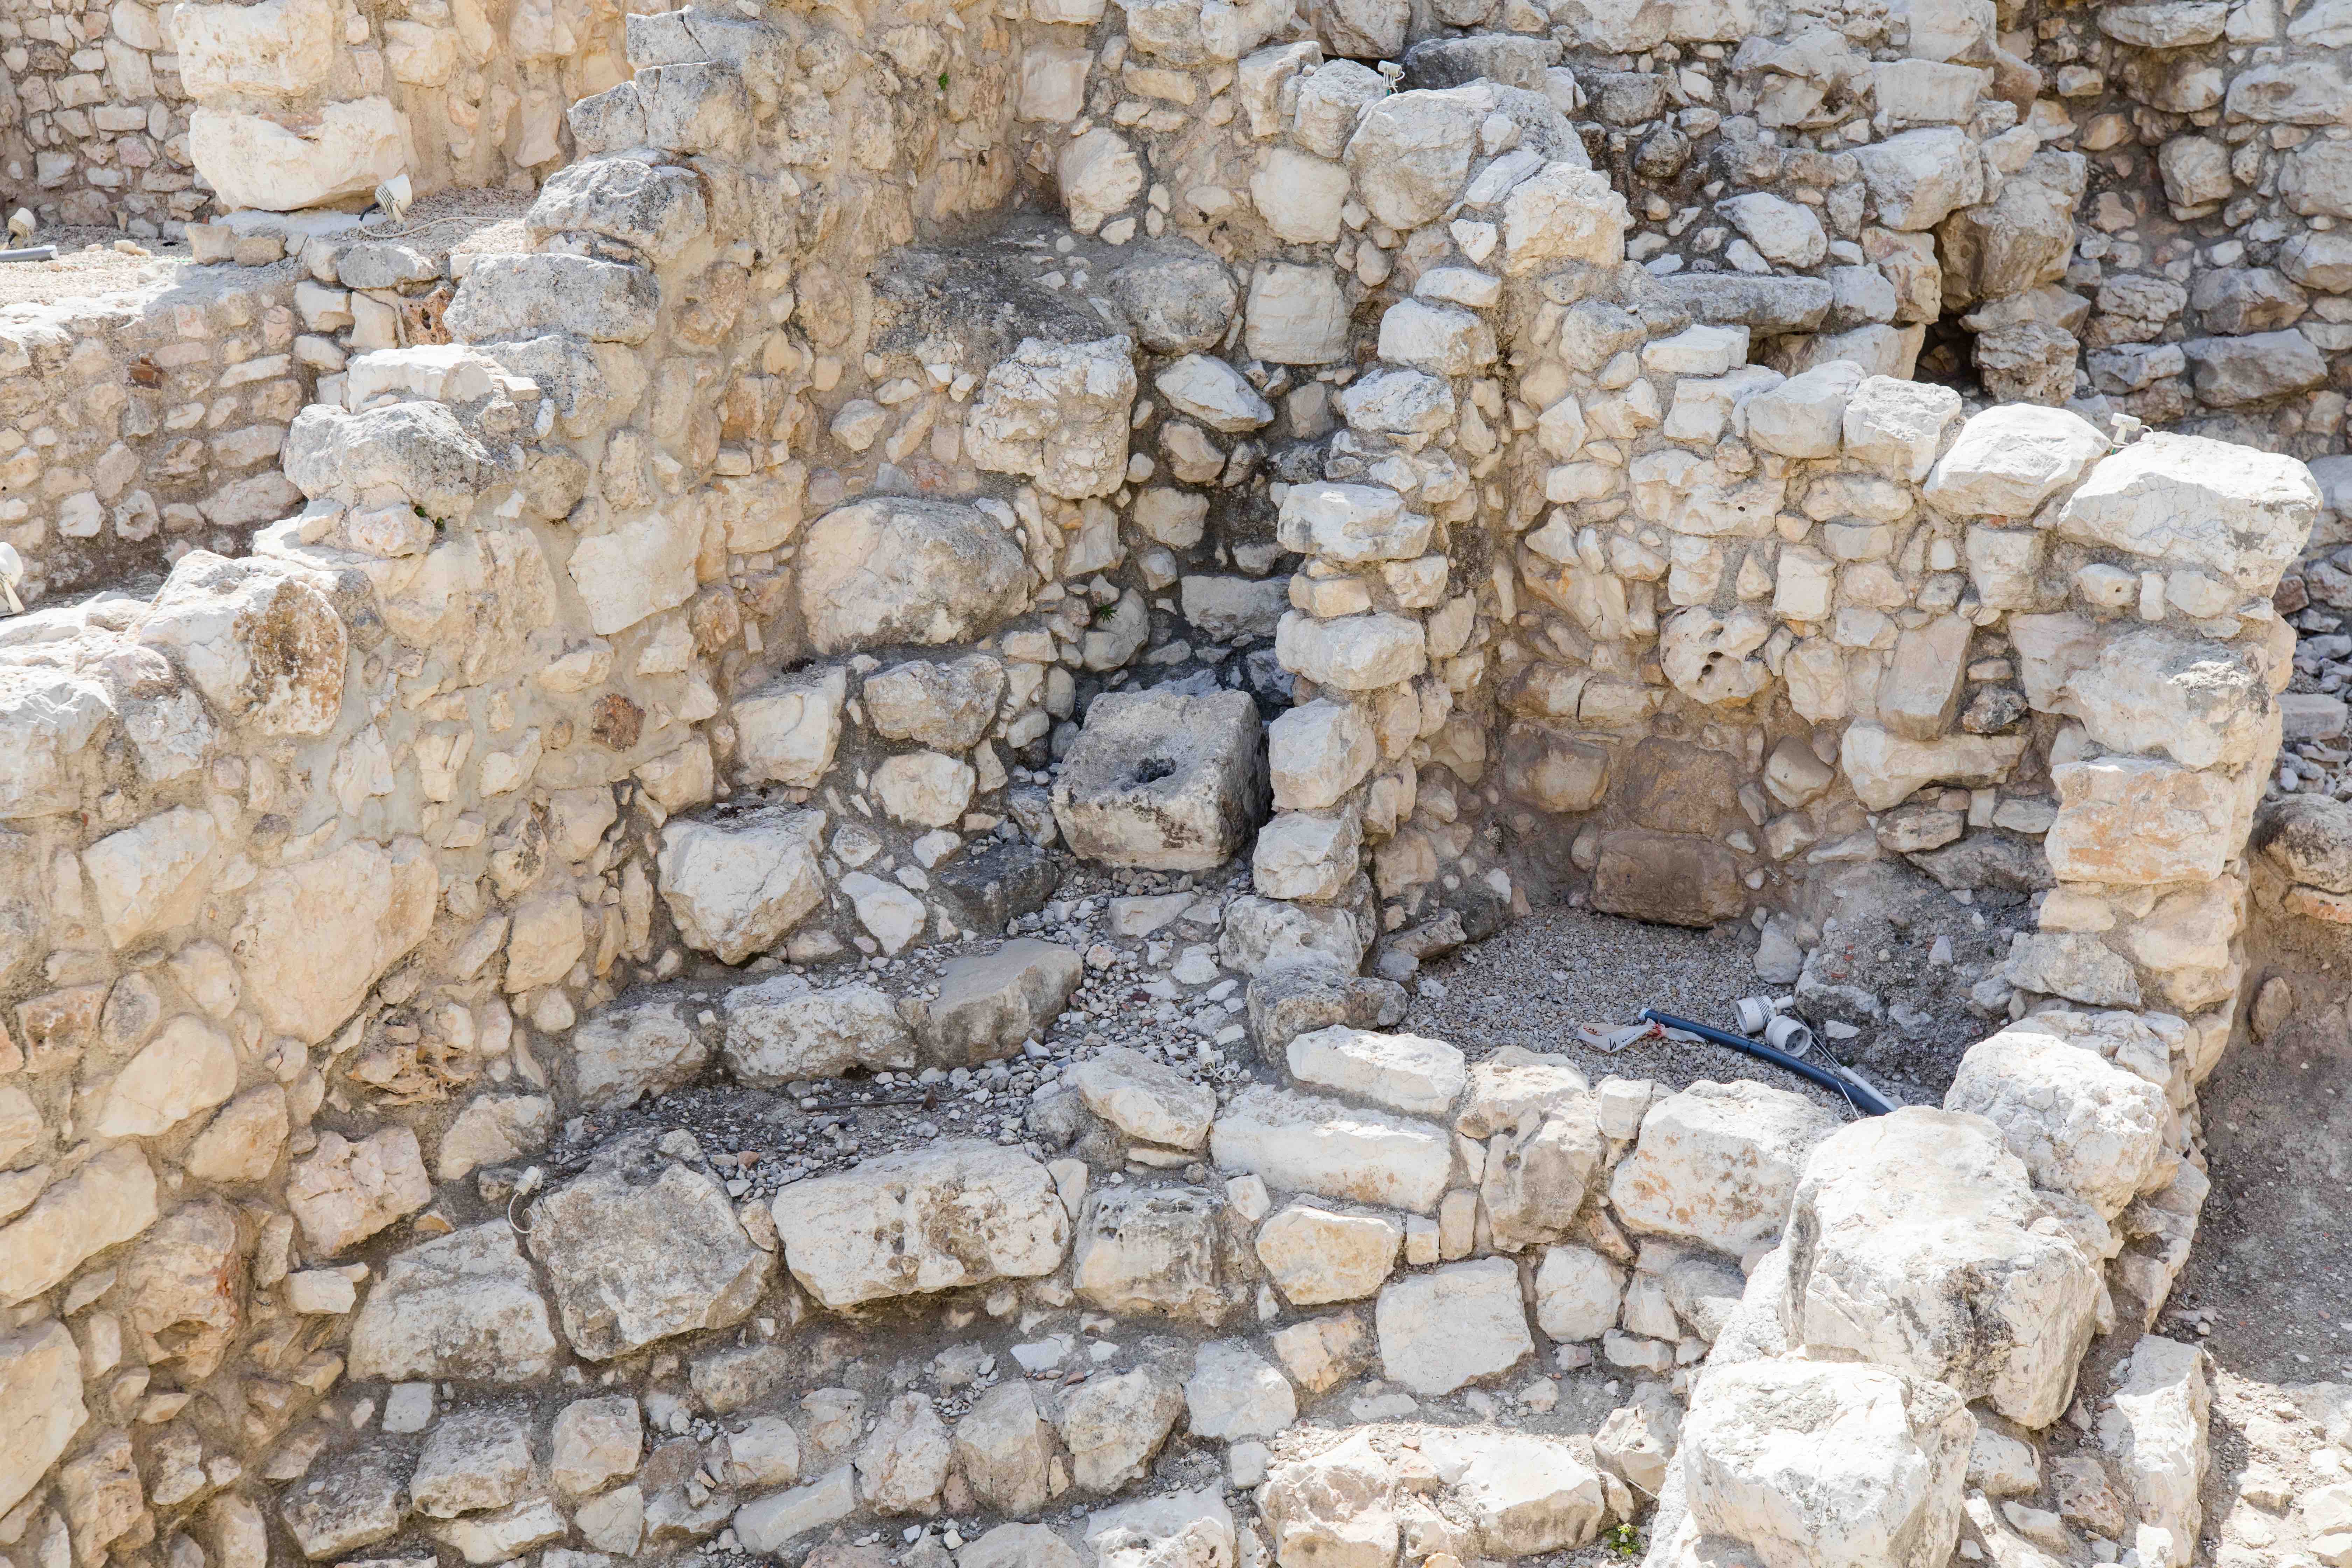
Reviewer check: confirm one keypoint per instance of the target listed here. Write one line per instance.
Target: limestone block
(1885, 768)
(641, 1247)
(1899, 425)
(1145, 1099)
(344, 1192)
(656, 209)
(989, 1004)
(1784, 233)
(508, 297)
(1916, 177)
(1317, 753)
(1261, 935)
(2186, 501)
(2084, 1127)
(1538, 1174)
(2204, 704)
(1804, 416)
(1453, 1326)
(188, 1067)
(1234, 1393)
(1176, 1252)
(1566, 212)
(252, 160)
(1409, 1073)
(1005, 1449)
(40, 1386)
(462, 1306)
(1916, 1242)
(1301, 856)
(1718, 1164)
(1113, 1425)
(1350, 525)
(787, 729)
(492, 1130)
(1295, 315)
(261, 639)
(1317, 1256)
(1162, 780)
(150, 876)
(631, 1049)
(940, 1218)
(2156, 1428)
(2008, 460)
(1578, 1293)
(898, 569)
(1334, 1509)
(1522, 1494)
(1057, 413)
(737, 885)
(279, 48)
(1352, 653)
(475, 1460)
(1812, 1466)
(1303, 1143)
(783, 1029)
(2141, 821)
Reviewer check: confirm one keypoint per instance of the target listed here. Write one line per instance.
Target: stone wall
(539, 1015)
(93, 120)
(139, 425)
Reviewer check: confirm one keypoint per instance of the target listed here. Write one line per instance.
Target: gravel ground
(1543, 975)
(87, 264)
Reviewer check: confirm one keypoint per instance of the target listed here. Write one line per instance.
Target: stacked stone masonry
(616, 711)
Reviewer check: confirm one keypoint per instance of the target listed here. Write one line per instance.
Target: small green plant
(1625, 1541)
(943, 81)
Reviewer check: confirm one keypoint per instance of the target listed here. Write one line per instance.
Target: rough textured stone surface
(931, 1219)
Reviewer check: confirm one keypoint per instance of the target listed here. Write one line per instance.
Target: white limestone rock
(941, 1218)
(784, 1028)
(1317, 753)
(1177, 1252)
(989, 1002)
(1409, 1073)
(1317, 1256)
(1236, 1394)
(642, 1247)
(253, 161)
(596, 1441)
(786, 730)
(643, 1044)
(737, 885)
(475, 1460)
(901, 569)
(492, 1130)
(1453, 1326)
(1807, 1465)
(1916, 1243)
(1300, 1142)
(2157, 1429)
(1145, 1099)
(343, 1193)
(40, 1387)
(1058, 412)
(1350, 525)
(2186, 501)
(1578, 1293)
(1718, 1164)
(463, 1306)
(1114, 1425)
(1163, 780)
(2204, 704)
(2008, 460)
(1213, 393)
(318, 933)
(2085, 1128)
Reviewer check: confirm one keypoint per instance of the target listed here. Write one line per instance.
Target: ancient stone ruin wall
(144, 425)
(150, 118)
(464, 957)
(93, 120)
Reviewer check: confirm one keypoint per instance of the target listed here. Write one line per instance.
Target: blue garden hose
(1859, 1095)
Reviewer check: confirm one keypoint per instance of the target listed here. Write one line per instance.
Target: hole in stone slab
(1151, 769)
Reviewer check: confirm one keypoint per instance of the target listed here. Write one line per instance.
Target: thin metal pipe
(31, 253)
